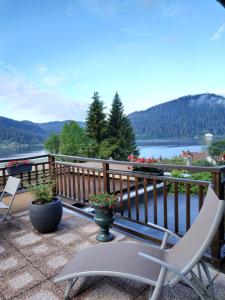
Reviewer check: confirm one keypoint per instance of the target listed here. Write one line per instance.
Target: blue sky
(55, 54)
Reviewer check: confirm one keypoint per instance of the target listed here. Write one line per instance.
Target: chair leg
(69, 286)
(210, 286)
(158, 286)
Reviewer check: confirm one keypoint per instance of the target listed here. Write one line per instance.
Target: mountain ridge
(27, 132)
(187, 116)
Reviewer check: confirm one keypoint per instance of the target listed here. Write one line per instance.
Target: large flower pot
(104, 217)
(46, 217)
(19, 169)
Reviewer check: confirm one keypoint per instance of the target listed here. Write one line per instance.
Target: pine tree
(95, 121)
(115, 117)
(120, 131)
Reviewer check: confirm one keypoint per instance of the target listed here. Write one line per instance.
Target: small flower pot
(14, 170)
(46, 217)
(103, 218)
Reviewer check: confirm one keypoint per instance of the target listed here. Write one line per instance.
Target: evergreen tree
(120, 132)
(115, 117)
(95, 121)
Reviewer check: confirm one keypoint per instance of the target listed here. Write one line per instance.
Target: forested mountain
(187, 116)
(26, 132)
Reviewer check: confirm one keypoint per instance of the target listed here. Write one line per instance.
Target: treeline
(187, 116)
(104, 136)
(20, 132)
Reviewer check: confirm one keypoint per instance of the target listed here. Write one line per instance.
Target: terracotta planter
(104, 217)
(19, 169)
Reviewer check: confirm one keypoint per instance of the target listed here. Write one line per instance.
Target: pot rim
(54, 200)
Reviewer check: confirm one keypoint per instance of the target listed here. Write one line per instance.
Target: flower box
(18, 166)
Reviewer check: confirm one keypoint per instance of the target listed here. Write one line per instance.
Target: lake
(166, 148)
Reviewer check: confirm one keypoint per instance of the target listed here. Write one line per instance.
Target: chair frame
(11, 191)
(186, 274)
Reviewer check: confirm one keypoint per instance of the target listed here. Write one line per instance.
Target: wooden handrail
(165, 167)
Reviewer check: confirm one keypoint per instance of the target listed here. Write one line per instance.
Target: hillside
(26, 132)
(187, 116)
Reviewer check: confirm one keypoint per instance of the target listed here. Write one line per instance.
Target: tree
(120, 132)
(96, 120)
(53, 143)
(73, 139)
(217, 148)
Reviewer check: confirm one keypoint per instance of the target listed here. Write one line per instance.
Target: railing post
(106, 179)
(219, 236)
(52, 175)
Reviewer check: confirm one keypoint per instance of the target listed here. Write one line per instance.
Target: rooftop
(30, 260)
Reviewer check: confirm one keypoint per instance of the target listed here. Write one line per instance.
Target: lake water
(168, 148)
(165, 148)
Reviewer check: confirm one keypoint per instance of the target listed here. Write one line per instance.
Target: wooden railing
(147, 197)
(40, 172)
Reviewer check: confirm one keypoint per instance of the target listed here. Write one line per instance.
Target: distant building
(190, 156)
(208, 135)
(194, 155)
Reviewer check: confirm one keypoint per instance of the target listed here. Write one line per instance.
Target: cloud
(22, 100)
(218, 34)
(53, 80)
(41, 68)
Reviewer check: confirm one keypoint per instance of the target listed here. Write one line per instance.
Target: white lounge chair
(11, 188)
(153, 265)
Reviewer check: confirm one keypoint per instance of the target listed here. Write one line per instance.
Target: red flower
(15, 163)
(141, 160)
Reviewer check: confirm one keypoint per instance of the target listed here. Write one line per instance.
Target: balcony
(29, 260)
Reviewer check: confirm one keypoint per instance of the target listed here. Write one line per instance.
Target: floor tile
(11, 262)
(80, 245)
(89, 229)
(19, 281)
(66, 237)
(75, 222)
(39, 250)
(45, 291)
(26, 240)
(104, 290)
(52, 264)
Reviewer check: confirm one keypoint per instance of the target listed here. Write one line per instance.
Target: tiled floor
(29, 261)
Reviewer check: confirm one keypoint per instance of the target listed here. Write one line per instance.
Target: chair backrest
(12, 185)
(189, 250)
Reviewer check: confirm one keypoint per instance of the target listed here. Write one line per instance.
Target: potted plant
(104, 204)
(150, 160)
(45, 210)
(14, 167)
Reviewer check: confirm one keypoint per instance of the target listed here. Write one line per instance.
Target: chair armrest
(167, 234)
(161, 263)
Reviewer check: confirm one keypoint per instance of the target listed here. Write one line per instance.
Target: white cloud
(41, 68)
(218, 34)
(24, 101)
(53, 80)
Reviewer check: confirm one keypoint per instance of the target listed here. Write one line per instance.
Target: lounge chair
(11, 188)
(153, 265)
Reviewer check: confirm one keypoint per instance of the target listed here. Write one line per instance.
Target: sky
(54, 54)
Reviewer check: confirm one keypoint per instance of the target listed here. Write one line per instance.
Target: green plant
(104, 201)
(203, 176)
(42, 193)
